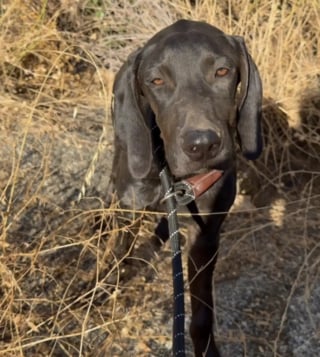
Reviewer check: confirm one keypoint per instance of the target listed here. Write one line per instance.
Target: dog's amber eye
(221, 72)
(158, 81)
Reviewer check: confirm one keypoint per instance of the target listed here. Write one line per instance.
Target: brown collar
(202, 182)
(190, 189)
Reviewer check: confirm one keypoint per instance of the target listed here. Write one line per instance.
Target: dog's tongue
(202, 182)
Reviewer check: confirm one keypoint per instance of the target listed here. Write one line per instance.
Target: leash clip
(183, 192)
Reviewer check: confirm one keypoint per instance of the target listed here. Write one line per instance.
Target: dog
(202, 90)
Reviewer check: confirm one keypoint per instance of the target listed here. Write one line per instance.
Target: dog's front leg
(201, 262)
(202, 258)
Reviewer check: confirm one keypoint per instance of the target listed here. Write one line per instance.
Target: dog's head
(187, 77)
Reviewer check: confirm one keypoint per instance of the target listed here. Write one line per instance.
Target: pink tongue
(202, 182)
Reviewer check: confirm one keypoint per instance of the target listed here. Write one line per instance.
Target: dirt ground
(64, 291)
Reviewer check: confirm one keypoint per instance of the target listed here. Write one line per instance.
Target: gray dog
(185, 81)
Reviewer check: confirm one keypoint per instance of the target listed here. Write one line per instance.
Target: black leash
(177, 272)
(181, 193)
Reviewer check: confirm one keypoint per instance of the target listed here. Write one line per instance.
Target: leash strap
(181, 193)
(177, 272)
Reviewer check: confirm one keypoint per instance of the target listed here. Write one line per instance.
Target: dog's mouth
(187, 169)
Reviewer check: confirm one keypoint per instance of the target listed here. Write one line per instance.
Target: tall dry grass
(57, 61)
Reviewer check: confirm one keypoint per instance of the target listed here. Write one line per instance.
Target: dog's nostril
(200, 144)
(214, 146)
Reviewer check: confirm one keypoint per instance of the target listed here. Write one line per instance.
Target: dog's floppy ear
(250, 102)
(129, 123)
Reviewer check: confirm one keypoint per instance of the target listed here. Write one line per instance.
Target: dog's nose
(201, 144)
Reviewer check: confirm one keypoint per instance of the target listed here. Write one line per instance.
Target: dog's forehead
(190, 43)
(185, 27)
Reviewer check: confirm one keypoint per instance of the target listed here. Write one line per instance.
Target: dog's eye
(158, 81)
(221, 72)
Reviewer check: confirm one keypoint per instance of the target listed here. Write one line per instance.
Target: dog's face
(190, 82)
(187, 77)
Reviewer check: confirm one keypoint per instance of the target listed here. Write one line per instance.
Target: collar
(190, 189)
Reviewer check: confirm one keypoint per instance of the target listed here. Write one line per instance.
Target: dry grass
(64, 291)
